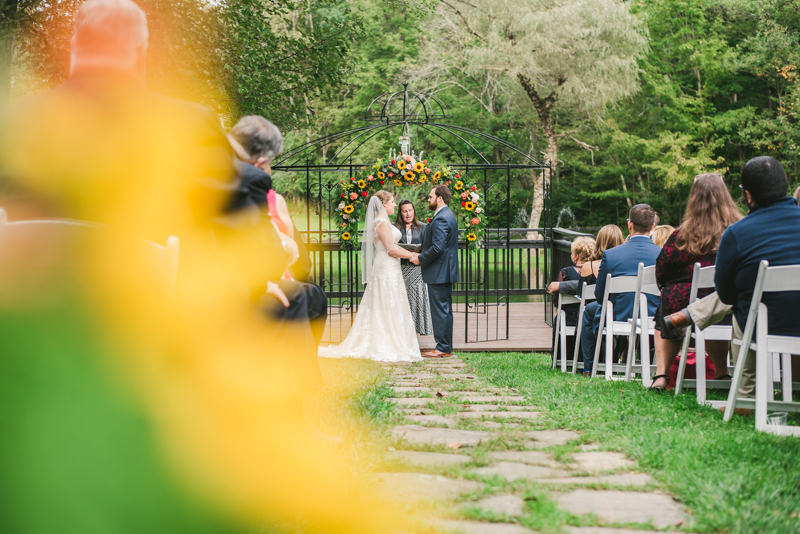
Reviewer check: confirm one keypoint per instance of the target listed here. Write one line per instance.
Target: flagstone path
(470, 451)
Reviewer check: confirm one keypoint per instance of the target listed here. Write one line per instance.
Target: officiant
(411, 231)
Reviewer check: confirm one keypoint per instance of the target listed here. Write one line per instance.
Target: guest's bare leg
(666, 351)
(718, 352)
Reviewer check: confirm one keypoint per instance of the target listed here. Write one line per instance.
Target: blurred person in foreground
(126, 410)
(709, 211)
(661, 233)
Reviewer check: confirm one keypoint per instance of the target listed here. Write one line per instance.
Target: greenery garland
(404, 171)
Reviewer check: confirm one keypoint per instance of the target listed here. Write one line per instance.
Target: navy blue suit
(439, 261)
(623, 260)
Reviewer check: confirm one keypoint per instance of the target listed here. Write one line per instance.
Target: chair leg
(700, 366)
(772, 372)
(687, 338)
(609, 347)
(763, 384)
(577, 344)
(555, 341)
(645, 358)
(598, 342)
(563, 342)
(786, 369)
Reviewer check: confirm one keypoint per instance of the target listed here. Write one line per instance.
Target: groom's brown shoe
(436, 354)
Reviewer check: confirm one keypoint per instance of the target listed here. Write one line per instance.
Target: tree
(575, 55)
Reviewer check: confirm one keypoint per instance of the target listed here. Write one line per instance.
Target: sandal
(659, 389)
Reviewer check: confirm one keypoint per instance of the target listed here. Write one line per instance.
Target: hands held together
(414, 258)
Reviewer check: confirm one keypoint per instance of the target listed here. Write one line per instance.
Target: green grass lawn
(732, 478)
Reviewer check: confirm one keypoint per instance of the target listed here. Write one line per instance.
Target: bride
(384, 328)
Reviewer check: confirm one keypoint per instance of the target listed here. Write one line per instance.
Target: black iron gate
(509, 265)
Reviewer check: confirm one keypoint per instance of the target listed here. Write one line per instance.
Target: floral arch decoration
(406, 171)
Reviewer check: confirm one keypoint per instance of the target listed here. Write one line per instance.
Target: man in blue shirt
(621, 261)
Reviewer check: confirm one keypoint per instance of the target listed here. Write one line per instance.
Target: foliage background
(718, 84)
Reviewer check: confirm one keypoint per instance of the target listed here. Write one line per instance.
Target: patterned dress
(416, 289)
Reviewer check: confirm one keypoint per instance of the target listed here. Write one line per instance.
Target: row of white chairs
(165, 257)
(773, 352)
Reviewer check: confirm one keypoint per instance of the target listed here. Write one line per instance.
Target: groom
(439, 261)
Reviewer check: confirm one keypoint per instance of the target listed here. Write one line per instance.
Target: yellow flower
(418, 167)
(409, 176)
(401, 165)
(459, 185)
(348, 209)
(362, 184)
(346, 236)
(381, 176)
(422, 179)
(436, 176)
(398, 182)
(471, 237)
(469, 206)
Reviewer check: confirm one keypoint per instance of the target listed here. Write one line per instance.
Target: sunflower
(469, 206)
(436, 176)
(398, 182)
(422, 179)
(346, 236)
(409, 176)
(348, 209)
(418, 166)
(471, 237)
(401, 165)
(381, 176)
(459, 185)
(362, 184)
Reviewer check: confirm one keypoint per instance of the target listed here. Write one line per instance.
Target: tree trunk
(543, 107)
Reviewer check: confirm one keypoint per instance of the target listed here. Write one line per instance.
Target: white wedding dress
(384, 328)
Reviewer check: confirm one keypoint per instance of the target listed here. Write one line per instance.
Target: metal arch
(432, 107)
(467, 142)
(455, 150)
(493, 140)
(379, 127)
(447, 129)
(318, 143)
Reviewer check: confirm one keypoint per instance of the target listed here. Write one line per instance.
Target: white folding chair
(769, 280)
(702, 278)
(609, 327)
(644, 324)
(165, 258)
(562, 331)
(587, 295)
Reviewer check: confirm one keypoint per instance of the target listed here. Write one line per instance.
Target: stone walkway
(475, 455)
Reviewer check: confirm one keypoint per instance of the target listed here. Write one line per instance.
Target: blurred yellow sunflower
(401, 165)
(469, 206)
(436, 176)
(381, 176)
(418, 166)
(346, 236)
(398, 182)
(348, 209)
(471, 237)
(459, 185)
(362, 184)
(409, 176)
(422, 179)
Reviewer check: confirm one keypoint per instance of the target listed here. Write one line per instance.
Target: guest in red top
(709, 211)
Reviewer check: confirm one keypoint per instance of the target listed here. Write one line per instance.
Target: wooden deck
(527, 330)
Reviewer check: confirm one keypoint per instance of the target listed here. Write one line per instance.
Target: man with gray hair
(256, 141)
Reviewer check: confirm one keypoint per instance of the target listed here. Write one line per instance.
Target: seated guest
(709, 211)
(661, 233)
(608, 237)
(761, 235)
(796, 195)
(256, 143)
(582, 249)
(411, 231)
(623, 260)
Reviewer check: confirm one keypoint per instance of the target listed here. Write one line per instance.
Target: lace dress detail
(383, 329)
